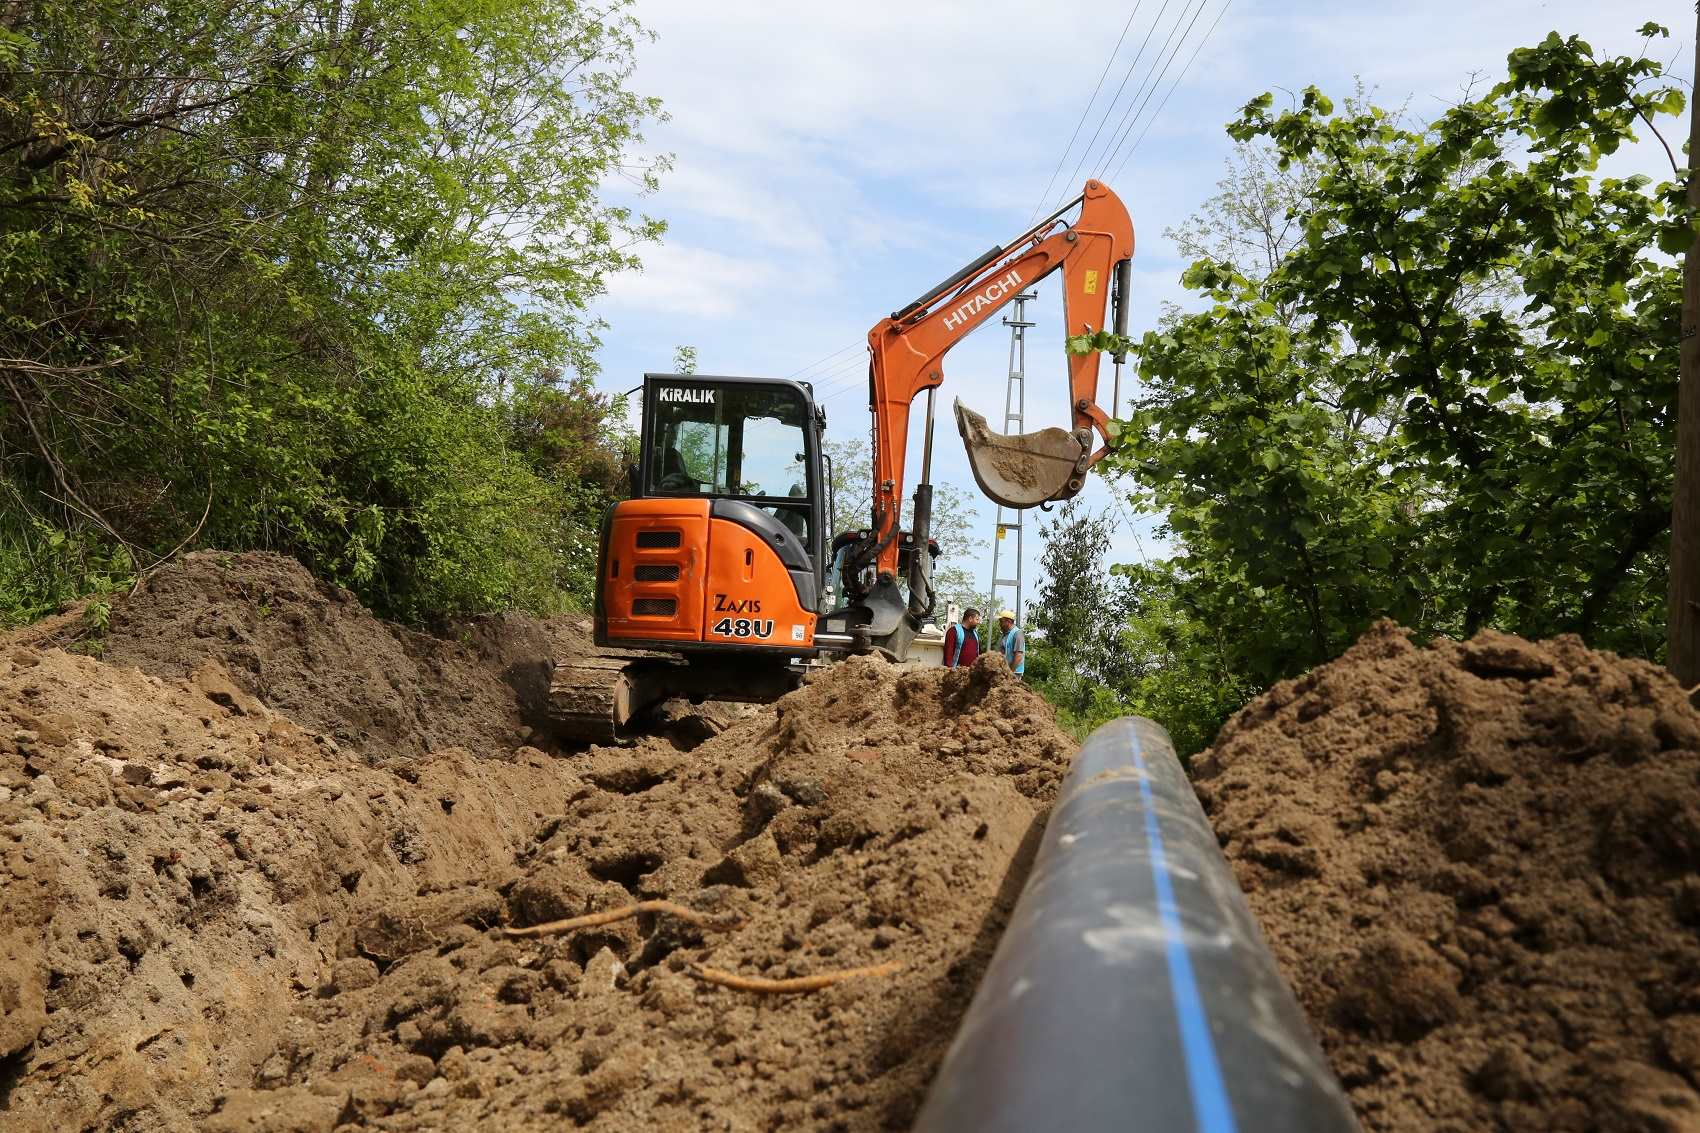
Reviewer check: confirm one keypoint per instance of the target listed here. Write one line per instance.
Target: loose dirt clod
(259, 880)
(1477, 864)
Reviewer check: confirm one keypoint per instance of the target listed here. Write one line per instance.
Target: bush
(306, 279)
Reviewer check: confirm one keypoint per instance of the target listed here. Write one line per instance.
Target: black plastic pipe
(1132, 990)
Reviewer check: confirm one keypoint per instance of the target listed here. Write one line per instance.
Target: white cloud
(763, 78)
(685, 280)
(761, 215)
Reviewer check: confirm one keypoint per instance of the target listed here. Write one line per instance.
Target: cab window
(739, 442)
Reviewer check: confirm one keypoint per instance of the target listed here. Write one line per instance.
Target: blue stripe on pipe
(1212, 1111)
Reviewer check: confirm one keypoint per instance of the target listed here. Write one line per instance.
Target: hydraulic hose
(1123, 303)
(1132, 990)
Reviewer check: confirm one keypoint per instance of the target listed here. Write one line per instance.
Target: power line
(841, 392)
(1108, 110)
(837, 368)
(833, 373)
(818, 361)
(1084, 111)
(1207, 34)
(1154, 76)
(1137, 541)
(857, 368)
(1127, 133)
(1153, 79)
(826, 394)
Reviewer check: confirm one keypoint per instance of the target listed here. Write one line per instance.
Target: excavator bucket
(1023, 470)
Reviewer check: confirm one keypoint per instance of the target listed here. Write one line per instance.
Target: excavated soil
(311, 652)
(259, 861)
(259, 858)
(1476, 864)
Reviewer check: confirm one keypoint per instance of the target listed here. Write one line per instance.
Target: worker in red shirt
(961, 643)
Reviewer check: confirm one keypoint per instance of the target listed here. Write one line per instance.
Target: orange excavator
(713, 577)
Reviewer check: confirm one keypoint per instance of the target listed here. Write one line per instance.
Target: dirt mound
(219, 916)
(1476, 864)
(870, 817)
(310, 651)
(178, 863)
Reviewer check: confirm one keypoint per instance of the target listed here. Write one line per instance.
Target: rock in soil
(258, 861)
(1476, 864)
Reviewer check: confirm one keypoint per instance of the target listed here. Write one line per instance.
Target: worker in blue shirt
(1014, 642)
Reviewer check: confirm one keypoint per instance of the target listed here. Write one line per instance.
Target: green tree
(1079, 614)
(291, 277)
(851, 479)
(1446, 394)
(1109, 641)
(959, 573)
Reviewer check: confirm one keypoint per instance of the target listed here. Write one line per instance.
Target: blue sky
(832, 161)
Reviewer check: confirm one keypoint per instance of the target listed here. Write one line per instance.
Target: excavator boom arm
(907, 352)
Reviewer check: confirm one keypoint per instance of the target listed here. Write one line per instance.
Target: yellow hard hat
(1010, 614)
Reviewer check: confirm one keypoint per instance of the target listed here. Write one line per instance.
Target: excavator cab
(722, 547)
(709, 578)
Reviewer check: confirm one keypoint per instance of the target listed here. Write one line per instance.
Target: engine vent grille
(656, 539)
(654, 607)
(656, 572)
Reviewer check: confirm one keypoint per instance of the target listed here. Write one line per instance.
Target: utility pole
(1014, 414)
(1685, 504)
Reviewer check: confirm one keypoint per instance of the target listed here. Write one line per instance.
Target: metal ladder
(1014, 414)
